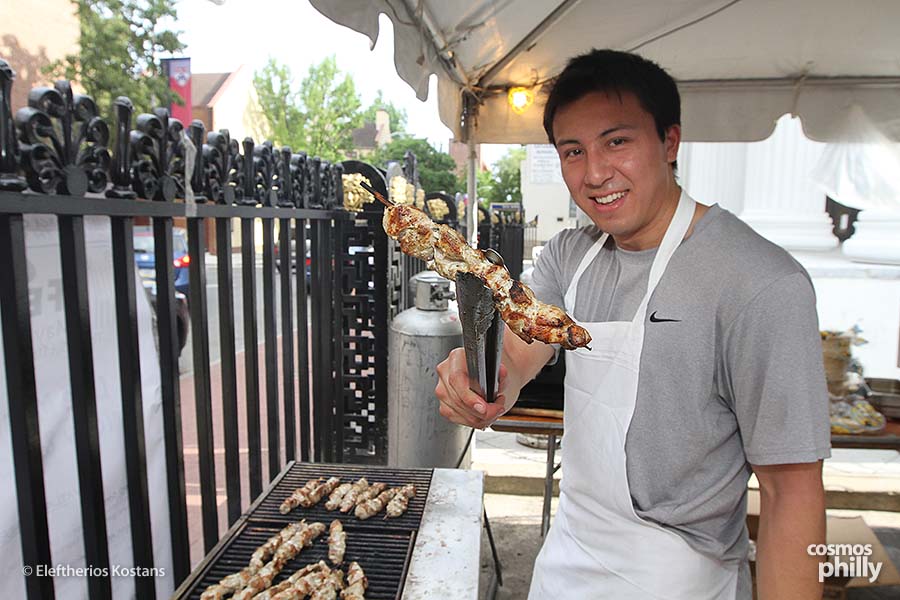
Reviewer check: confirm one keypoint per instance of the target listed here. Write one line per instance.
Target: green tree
(318, 117)
(485, 184)
(120, 47)
(279, 105)
(397, 115)
(507, 175)
(436, 169)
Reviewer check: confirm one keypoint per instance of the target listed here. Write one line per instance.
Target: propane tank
(421, 337)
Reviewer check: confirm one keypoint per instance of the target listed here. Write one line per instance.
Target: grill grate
(299, 474)
(382, 556)
(381, 546)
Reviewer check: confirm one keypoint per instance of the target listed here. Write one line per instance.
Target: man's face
(616, 167)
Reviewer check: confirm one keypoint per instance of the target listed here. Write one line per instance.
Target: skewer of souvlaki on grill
(266, 562)
(445, 250)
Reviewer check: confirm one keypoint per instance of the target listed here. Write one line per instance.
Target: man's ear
(672, 141)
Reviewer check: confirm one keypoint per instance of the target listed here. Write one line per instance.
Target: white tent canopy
(740, 64)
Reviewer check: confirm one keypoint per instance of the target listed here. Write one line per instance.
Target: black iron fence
(329, 403)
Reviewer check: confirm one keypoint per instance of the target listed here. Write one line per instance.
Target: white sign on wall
(543, 163)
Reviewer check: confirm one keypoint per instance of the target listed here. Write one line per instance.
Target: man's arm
(792, 516)
(519, 365)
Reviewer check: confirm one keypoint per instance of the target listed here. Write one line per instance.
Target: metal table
(889, 439)
(533, 422)
(432, 551)
(550, 423)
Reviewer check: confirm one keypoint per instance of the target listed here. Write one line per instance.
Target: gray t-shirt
(737, 379)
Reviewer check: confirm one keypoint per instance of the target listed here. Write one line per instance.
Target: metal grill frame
(273, 494)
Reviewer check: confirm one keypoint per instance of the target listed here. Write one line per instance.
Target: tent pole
(471, 172)
(472, 190)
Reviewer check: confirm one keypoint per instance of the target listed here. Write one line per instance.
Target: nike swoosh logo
(654, 319)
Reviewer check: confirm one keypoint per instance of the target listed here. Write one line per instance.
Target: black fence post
(171, 395)
(251, 355)
(303, 339)
(229, 368)
(84, 400)
(21, 391)
(202, 393)
(132, 401)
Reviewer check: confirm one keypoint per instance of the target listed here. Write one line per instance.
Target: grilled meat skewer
(239, 580)
(373, 506)
(349, 500)
(337, 542)
(293, 501)
(356, 583)
(398, 504)
(275, 591)
(370, 492)
(444, 250)
(285, 553)
(334, 499)
(329, 590)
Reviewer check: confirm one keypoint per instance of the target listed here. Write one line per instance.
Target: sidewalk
(514, 484)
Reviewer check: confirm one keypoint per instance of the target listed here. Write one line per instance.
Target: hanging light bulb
(520, 99)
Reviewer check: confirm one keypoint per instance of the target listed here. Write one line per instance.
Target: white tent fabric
(740, 64)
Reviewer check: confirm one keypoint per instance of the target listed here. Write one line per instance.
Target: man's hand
(460, 404)
(792, 516)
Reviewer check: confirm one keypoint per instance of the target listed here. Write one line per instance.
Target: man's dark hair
(616, 72)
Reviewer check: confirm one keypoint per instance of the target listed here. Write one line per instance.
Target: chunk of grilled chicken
(275, 592)
(237, 581)
(285, 552)
(337, 542)
(356, 583)
(349, 500)
(373, 506)
(329, 590)
(334, 500)
(444, 250)
(397, 506)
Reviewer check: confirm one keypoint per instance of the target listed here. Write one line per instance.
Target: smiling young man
(705, 367)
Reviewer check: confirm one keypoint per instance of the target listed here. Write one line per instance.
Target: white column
(714, 173)
(877, 237)
(781, 201)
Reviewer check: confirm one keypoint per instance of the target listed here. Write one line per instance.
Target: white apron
(598, 547)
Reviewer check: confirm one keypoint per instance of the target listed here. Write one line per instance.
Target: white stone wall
(544, 194)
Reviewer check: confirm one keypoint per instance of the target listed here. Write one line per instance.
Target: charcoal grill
(382, 547)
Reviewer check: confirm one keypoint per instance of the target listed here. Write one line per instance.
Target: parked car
(146, 259)
(146, 262)
(182, 314)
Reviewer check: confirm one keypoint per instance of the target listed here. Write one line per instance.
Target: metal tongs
(482, 331)
(481, 323)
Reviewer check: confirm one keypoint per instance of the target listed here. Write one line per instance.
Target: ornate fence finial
(326, 184)
(337, 176)
(219, 165)
(121, 176)
(248, 195)
(300, 175)
(9, 148)
(198, 184)
(285, 179)
(314, 170)
(71, 157)
(263, 171)
(151, 141)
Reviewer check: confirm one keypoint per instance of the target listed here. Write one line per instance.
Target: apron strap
(681, 222)
(589, 257)
(678, 226)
